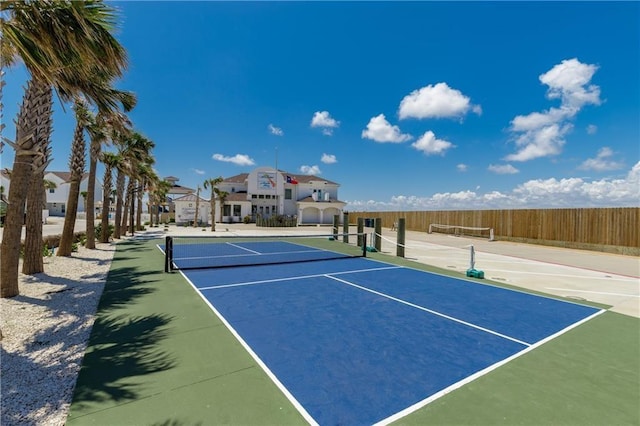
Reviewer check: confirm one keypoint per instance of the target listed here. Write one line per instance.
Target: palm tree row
(66, 46)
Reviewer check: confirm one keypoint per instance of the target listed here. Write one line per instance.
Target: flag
(291, 180)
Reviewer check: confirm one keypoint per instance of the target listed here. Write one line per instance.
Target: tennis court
(350, 340)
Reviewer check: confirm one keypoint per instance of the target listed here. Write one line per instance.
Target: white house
(267, 192)
(58, 197)
(185, 209)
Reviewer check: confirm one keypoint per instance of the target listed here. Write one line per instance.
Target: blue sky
(408, 106)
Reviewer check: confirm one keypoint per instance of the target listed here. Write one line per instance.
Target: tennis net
(202, 252)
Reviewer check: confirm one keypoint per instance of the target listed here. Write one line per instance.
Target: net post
(401, 237)
(378, 234)
(168, 253)
(363, 237)
(336, 222)
(361, 232)
(345, 227)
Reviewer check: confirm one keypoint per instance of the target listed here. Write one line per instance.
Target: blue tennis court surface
(357, 341)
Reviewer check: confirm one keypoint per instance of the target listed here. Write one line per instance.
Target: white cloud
(503, 169)
(542, 134)
(275, 130)
(539, 193)
(328, 159)
(380, 130)
(310, 170)
(592, 129)
(541, 142)
(602, 162)
(462, 167)
(324, 120)
(198, 171)
(436, 101)
(429, 144)
(569, 81)
(238, 159)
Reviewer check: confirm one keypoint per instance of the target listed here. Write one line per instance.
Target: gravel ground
(45, 333)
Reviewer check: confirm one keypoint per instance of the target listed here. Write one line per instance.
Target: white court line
(246, 255)
(469, 379)
(299, 277)
(422, 308)
(244, 248)
(593, 292)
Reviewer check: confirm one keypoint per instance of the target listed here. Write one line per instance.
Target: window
(254, 196)
(237, 210)
(52, 190)
(287, 194)
(226, 210)
(261, 196)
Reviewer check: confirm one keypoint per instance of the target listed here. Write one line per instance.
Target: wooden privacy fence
(612, 230)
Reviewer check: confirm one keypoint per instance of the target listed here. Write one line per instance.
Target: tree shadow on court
(122, 347)
(125, 342)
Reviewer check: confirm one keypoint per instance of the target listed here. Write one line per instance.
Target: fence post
(345, 227)
(360, 231)
(401, 237)
(378, 233)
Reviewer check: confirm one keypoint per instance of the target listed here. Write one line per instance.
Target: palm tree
(106, 126)
(36, 200)
(213, 183)
(195, 216)
(222, 197)
(160, 192)
(76, 167)
(110, 161)
(63, 44)
(136, 151)
(147, 176)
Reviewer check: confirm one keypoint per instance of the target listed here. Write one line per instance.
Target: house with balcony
(267, 192)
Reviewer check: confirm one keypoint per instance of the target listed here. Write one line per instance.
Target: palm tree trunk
(127, 205)
(35, 107)
(66, 240)
(106, 202)
(140, 194)
(76, 167)
(32, 261)
(91, 196)
(213, 212)
(36, 199)
(120, 181)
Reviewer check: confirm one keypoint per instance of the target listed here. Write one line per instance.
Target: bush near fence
(612, 230)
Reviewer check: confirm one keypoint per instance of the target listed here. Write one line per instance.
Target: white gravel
(45, 333)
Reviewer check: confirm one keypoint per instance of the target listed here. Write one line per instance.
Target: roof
(242, 177)
(237, 196)
(237, 178)
(177, 189)
(190, 198)
(63, 176)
